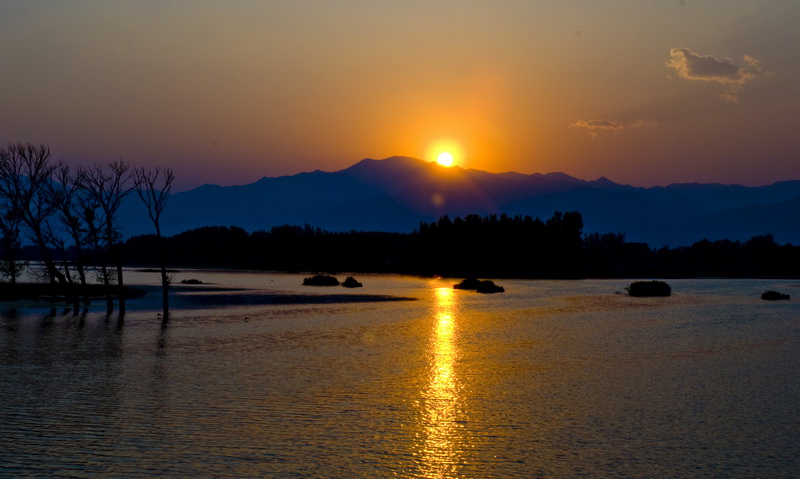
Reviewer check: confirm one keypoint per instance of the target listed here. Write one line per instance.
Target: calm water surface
(550, 379)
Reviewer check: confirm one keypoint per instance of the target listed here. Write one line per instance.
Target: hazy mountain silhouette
(396, 193)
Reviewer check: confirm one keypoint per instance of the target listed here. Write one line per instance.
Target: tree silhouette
(25, 179)
(153, 187)
(66, 197)
(105, 188)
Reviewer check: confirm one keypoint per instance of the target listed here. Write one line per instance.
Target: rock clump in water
(649, 288)
(321, 280)
(351, 282)
(774, 296)
(481, 286)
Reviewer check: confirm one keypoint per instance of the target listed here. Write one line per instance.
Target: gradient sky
(643, 92)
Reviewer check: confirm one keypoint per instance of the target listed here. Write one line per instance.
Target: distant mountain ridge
(397, 193)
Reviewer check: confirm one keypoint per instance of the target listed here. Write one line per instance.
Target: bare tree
(105, 189)
(25, 176)
(154, 188)
(71, 204)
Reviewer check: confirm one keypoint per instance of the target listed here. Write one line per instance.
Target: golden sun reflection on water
(441, 448)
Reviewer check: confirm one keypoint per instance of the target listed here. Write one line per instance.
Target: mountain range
(396, 194)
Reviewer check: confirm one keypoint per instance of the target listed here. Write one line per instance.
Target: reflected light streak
(441, 451)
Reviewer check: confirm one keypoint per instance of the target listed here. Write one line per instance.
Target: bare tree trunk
(107, 286)
(120, 282)
(156, 200)
(50, 265)
(11, 265)
(165, 280)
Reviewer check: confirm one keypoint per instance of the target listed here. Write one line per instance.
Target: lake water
(274, 379)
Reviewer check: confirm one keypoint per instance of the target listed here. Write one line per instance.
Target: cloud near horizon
(694, 66)
(594, 127)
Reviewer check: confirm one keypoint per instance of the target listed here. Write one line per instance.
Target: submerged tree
(68, 204)
(25, 182)
(105, 189)
(154, 188)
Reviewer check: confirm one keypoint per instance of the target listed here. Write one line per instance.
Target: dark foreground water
(551, 379)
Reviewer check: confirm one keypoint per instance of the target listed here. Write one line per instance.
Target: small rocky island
(351, 282)
(480, 286)
(648, 288)
(321, 280)
(328, 280)
(774, 296)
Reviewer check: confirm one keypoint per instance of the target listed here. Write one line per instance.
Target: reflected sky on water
(550, 379)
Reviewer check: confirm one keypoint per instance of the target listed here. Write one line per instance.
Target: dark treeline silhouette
(608, 255)
(484, 246)
(283, 248)
(499, 246)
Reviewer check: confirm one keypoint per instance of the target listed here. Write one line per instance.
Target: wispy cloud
(753, 62)
(643, 123)
(595, 127)
(694, 66)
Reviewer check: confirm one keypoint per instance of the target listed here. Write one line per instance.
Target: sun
(445, 159)
(446, 152)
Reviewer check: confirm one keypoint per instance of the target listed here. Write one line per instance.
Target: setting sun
(445, 159)
(446, 152)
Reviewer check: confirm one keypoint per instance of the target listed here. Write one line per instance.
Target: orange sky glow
(646, 93)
